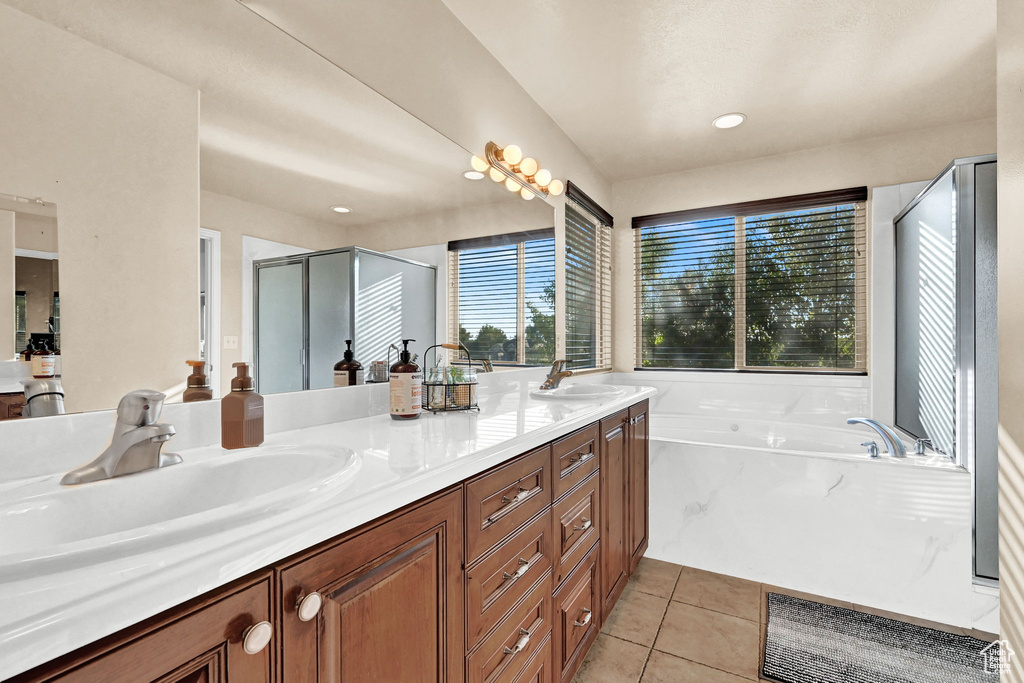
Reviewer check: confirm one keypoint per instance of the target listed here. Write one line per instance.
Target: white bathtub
(803, 507)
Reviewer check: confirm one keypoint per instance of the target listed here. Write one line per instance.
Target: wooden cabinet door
(201, 643)
(615, 553)
(639, 483)
(392, 602)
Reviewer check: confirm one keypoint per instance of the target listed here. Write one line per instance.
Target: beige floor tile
(636, 616)
(655, 577)
(611, 660)
(728, 594)
(718, 640)
(665, 668)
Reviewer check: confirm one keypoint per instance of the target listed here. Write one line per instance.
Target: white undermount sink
(45, 526)
(579, 392)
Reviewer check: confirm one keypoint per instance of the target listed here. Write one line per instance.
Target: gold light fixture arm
(492, 152)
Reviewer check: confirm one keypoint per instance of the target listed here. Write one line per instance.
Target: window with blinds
(587, 289)
(772, 285)
(502, 297)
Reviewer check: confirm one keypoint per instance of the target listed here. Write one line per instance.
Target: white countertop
(45, 616)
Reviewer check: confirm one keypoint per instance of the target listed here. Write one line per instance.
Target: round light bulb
(729, 120)
(478, 164)
(340, 209)
(542, 177)
(555, 187)
(527, 194)
(473, 175)
(512, 155)
(528, 166)
(512, 185)
(497, 176)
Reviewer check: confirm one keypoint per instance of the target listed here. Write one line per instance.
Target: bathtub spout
(890, 438)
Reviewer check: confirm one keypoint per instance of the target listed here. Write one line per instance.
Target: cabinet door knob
(587, 616)
(308, 606)
(256, 637)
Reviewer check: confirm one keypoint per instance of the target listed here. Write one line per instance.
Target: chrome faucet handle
(872, 448)
(140, 408)
(921, 446)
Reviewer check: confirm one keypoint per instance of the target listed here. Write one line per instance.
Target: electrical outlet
(230, 342)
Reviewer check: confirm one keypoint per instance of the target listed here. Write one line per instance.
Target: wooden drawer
(573, 459)
(539, 670)
(505, 652)
(500, 580)
(577, 526)
(498, 502)
(576, 617)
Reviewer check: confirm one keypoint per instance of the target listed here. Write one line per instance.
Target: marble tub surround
(44, 616)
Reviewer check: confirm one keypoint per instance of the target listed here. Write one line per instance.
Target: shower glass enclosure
(307, 305)
(946, 355)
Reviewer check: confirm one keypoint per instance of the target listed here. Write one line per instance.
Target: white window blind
(773, 285)
(587, 289)
(502, 297)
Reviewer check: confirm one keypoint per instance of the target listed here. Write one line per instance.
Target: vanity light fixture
(473, 175)
(341, 209)
(520, 174)
(730, 120)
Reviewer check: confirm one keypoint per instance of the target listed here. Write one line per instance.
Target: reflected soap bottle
(348, 372)
(241, 412)
(198, 383)
(43, 361)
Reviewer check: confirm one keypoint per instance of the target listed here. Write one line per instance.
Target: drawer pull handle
(581, 458)
(524, 640)
(587, 616)
(586, 525)
(518, 498)
(308, 606)
(524, 566)
(256, 637)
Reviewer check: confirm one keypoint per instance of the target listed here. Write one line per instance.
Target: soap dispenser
(348, 372)
(198, 383)
(241, 412)
(406, 386)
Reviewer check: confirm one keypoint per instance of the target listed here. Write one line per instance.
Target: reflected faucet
(136, 444)
(890, 438)
(556, 375)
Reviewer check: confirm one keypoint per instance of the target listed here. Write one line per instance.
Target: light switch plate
(230, 342)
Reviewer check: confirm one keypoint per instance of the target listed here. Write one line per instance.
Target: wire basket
(450, 387)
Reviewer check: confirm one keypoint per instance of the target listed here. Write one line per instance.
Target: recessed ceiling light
(729, 120)
(340, 209)
(473, 175)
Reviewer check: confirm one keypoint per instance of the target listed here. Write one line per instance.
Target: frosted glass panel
(926, 317)
(330, 315)
(395, 301)
(280, 328)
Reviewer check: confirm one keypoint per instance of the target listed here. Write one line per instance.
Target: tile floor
(676, 624)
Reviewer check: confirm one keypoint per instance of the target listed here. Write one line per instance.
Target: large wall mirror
(156, 260)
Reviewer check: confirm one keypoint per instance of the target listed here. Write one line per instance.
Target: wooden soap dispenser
(241, 412)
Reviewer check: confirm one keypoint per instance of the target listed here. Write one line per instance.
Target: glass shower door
(281, 337)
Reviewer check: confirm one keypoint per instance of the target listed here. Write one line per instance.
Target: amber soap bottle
(198, 383)
(406, 386)
(241, 412)
(348, 372)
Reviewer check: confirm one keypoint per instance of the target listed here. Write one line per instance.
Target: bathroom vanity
(506, 575)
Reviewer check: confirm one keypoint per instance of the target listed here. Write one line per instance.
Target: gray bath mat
(808, 642)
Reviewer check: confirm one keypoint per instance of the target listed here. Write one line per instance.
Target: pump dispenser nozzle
(405, 356)
(349, 355)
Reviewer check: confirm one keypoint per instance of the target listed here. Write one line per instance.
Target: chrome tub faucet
(136, 444)
(556, 375)
(890, 438)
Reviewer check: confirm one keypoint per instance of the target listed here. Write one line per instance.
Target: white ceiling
(636, 83)
(279, 125)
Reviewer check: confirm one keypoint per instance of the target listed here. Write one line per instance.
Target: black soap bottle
(348, 372)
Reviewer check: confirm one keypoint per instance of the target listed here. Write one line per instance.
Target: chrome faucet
(556, 375)
(890, 438)
(136, 444)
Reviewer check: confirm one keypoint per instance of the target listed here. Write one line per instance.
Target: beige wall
(233, 218)
(116, 147)
(7, 349)
(38, 233)
(888, 160)
(1010, 117)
